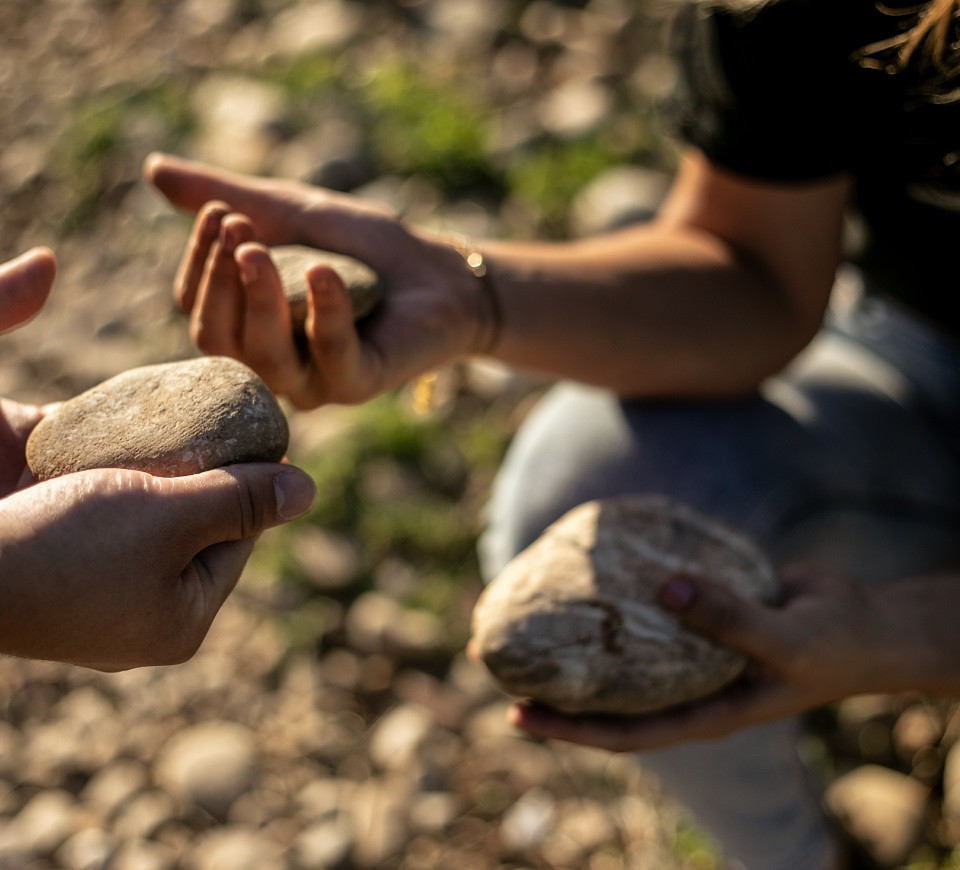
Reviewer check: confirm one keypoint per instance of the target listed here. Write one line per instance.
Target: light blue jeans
(851, 459)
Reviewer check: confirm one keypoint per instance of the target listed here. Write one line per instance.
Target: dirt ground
(376, 745)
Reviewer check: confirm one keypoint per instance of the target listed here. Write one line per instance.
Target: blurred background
(330, 720)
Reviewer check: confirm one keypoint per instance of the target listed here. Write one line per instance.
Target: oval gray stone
(293, 261)
(169, 420)
(573, 622)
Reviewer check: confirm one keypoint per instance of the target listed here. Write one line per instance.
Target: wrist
(486, 307)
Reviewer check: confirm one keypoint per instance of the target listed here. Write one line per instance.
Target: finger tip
(327, 290)
(678, 592)
(152, 162)
(517, 714)
(295, 493)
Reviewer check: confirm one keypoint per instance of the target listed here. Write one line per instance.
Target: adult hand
(115, 569)
(433, 310)
(828, 638)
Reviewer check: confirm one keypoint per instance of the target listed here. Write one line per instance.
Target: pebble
(88, 849)
(233, 848)
(169, 419)
(882, 808)
(378, 810)
(375, 623)
(398, 737)
(528, 822)
(144, 814)
(324, 845)
(210, 763)
(138, 854)
(293, 262)
(42, 825)
(111, 786)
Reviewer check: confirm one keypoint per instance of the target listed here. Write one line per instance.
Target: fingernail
(295, 493)
(677, 593)
(248, 272)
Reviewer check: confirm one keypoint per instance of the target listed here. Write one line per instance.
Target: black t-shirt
(786, 93)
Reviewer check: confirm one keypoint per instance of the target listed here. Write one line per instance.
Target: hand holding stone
(432, 309)
(573, 622)
(169, 420)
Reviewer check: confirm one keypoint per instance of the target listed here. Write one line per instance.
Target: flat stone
(170, 420)
(573, 620)
(293, 262)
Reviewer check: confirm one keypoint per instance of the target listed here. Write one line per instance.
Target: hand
(115, 569)
(25, 284)
(433, 309)
(827, 639)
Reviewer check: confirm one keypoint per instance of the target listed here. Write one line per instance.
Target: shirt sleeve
(764, 94)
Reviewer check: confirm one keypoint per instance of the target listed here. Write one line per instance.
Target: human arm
(723, 288)
(827, 639)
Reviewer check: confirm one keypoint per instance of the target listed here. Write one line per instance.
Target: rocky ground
(329, 720)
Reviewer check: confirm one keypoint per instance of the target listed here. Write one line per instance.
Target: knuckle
(250, 510)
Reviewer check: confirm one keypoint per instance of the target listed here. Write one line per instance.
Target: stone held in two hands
(293, 262)
(573, 621)
(169, 420)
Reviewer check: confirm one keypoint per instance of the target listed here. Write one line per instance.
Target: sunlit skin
(115, 569)
(724, 288)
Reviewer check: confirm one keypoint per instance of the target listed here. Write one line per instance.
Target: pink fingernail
(677, 593)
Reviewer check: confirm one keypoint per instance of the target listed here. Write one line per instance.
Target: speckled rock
(573, 622)
(170, 420)
(293, 261)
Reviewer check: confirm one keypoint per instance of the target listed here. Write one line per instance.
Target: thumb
(241, 501)
(718, 614)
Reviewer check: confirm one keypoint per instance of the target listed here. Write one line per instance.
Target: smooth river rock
(293, 261)
(169, 420)
(573, 623)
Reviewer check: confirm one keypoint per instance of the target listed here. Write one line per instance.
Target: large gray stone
(573, 620)
(293, 261)
(170, 420)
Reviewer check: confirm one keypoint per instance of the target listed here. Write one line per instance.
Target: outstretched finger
(206, 231)
(275, 205)
(217, 319)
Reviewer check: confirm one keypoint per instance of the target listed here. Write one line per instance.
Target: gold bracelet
(477, 264)
(424, 391)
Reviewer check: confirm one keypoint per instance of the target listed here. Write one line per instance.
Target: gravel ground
(373, 744)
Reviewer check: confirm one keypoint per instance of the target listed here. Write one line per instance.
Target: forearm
(648, 311)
